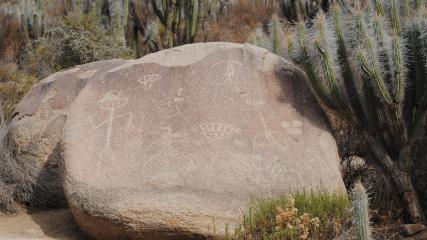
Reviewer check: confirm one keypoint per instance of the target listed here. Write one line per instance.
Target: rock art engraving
(148, 80)
(294, 128)
(229, 69)
(217, 131)
(256, 103)
(172, 105)
(124, 73)
(110, 102)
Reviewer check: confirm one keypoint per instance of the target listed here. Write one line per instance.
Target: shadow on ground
(52, 224)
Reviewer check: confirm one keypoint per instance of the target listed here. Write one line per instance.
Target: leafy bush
(71, 42)
(306, 215)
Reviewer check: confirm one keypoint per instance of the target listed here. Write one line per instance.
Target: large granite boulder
(173, 145)
(37, 124)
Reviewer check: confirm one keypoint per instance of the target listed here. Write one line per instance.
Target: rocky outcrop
(173, 145)
(37, 125)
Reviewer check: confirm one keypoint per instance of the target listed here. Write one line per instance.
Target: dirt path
(53, 224)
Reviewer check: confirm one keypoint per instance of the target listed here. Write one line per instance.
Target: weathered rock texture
(173, 145)
(37, 125)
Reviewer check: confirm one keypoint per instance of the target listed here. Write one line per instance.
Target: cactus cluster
(368, 64)
(273, 39)
(360, 204)
(181, 19)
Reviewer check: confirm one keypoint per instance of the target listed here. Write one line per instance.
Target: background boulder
(35, 130)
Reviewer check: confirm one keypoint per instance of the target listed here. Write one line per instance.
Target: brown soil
(52, 224)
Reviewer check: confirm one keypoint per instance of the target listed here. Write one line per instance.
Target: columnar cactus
(32, 17)
(118, 13)
(276, 34)
(180, 19)
(360, 62)
(360, 203)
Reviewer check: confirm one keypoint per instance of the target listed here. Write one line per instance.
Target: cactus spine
(360, 202)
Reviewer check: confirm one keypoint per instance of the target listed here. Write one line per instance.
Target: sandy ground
(52, 224)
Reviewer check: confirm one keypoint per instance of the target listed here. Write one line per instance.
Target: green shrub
(305, 215)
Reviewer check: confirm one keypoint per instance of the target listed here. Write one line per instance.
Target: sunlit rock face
(173, 145)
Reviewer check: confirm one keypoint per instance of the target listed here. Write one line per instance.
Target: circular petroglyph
(111, 100)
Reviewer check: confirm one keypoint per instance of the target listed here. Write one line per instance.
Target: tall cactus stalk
(32, 17)
(276, 34)
(360, 202)
(180, 18)
(118, 14)
(359, 65)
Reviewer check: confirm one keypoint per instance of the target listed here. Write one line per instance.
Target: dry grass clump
(18, 177)
(11, 38)
(242, 19)
(305, 215)
(14, 89)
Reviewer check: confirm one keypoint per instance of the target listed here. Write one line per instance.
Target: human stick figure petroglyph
(110, 102)
(256, 103)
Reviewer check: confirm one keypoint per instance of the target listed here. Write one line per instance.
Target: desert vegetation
(360, 64)
(366, 62)
(302, 215)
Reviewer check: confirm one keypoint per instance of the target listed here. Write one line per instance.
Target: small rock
(412, 229)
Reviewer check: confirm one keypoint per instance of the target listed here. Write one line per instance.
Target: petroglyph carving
(110, 102)
(217, 131)
(125, 73)
(148, 80)
(229, 70)
(172, 105)
(293, 128)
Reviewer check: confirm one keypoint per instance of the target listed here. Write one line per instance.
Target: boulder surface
(175, 144)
